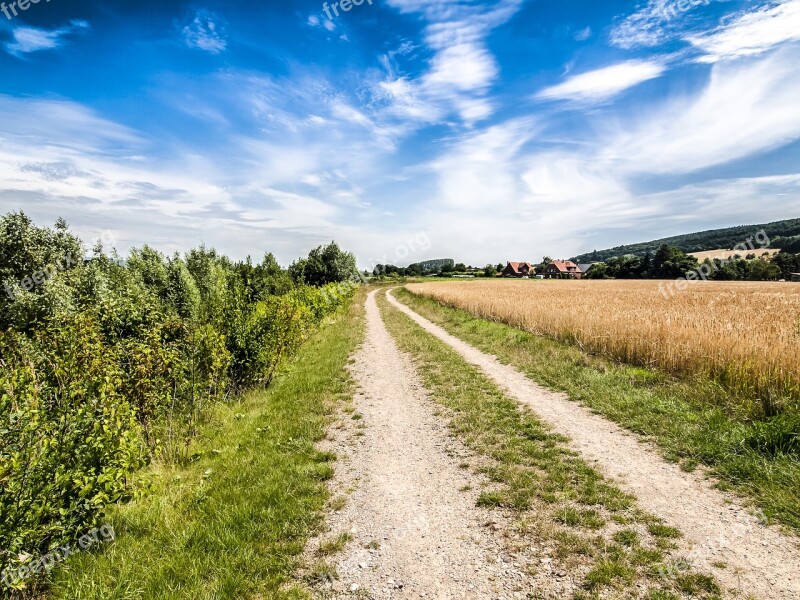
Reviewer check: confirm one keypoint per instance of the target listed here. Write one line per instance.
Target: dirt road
(416, 530)
(758, 559)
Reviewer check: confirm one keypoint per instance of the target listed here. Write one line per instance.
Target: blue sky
(496, 130)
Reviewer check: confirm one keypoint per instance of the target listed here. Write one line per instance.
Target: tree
(414, 270)
(490, 271)
(762, 270)
(672, 262)
(325, 264)
(597, 271)
(539, 268)
(788, 263)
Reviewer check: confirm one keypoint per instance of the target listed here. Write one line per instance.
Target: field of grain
(728, 254)
(744, 335)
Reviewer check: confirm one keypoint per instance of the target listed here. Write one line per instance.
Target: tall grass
(746, 336)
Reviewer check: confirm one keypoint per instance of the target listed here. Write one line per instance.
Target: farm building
(562, 269)
(796, 277)
(517, 269)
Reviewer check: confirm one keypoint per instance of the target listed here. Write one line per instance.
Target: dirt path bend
(758, 559)
(415, 532)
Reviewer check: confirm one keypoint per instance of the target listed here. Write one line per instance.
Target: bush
(69, 439)
(108, 365)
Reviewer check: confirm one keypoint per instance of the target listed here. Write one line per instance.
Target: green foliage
(68, 436)
(704, 240)
(788, 263)
(325, 264)
(109, 364)
(671, 262)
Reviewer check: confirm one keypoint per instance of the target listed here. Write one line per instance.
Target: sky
(403, 129)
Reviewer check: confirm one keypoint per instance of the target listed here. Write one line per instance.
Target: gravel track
(416, 532)
(759, 559)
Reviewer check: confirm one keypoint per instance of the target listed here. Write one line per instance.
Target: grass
(233, 523)
(687, 419)
(559, 500)
(334, 545)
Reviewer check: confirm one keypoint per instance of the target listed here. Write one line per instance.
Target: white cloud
(205, 33)
(648, 26)
(746, 108)
(33, 39)
(462, 69)
(603, 83)
(751, 33)
(583, 34)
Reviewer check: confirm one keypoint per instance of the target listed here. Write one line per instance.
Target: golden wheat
(746, 335)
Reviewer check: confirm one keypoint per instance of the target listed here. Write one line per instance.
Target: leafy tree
(787, 263)
(763, 270)
(414, 270)
(325, 264)
(31, 256)
(540, 267)
(597, 271)
(624, 267)
(671, 262)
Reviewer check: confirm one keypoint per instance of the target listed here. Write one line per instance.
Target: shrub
(110, 364)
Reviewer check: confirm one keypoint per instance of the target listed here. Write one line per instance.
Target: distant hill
(782, 234)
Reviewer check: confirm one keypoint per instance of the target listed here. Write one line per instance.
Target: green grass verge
(691, 421)
(595, 531)
(233, 523)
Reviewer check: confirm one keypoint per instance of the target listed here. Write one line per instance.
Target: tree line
(108, 364)
(670, 262)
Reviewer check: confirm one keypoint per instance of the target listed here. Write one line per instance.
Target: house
(517, 269)
(562, 269)
(796, 277)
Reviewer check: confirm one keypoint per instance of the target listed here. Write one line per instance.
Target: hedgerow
(107, 365)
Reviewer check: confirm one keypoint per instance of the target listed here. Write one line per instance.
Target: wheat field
(745, 335)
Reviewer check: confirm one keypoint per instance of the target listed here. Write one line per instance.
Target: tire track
(415, 532)
(717, 528)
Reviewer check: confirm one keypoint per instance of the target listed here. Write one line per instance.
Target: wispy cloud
(605, 83)
(206, 33)
(747, 107)
(33, 39)
(583, 34)
(751, 33)
(462, 68)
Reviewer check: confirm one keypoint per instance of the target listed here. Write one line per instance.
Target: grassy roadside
(590, 529)
(232, 524)
(686, 419)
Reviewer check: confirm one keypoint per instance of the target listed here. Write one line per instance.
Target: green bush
(109, 364)
(69, 439)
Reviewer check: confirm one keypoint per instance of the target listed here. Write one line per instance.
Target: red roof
(564, 266)
(515, 266)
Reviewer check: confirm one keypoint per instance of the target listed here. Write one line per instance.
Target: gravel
(718, 529)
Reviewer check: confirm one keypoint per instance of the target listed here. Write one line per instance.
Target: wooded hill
(782, 234)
